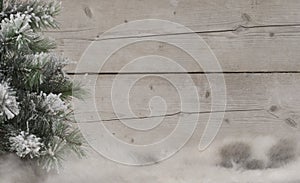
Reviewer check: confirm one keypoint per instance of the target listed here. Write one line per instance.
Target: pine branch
(41, 13)
(1, 6)
(36, 122)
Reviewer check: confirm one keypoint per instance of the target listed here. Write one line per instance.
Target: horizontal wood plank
(200, 15)
(251, 50)
(255, 99)
(245, 35)
(234, 124)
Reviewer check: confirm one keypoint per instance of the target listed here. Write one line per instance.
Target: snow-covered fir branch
(54, 103)
(8, 102)
(25, 144)
(35, 117)
(41, 13)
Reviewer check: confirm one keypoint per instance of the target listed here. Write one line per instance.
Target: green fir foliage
(35, 115)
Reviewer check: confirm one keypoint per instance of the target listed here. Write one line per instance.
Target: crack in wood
(68, 31)
(173, 114)
(277, 117)
(174, 34)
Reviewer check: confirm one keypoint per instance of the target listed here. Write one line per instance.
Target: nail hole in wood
(273, 108)
(207, 94)
(227, 121)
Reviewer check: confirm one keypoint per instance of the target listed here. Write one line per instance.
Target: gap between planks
(166, 73)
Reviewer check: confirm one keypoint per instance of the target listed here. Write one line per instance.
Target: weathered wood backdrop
(257, 43)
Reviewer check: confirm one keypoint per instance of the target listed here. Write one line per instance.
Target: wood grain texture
(256, 43)
(257, 105)
(273, 96)
(235, 124)
(251, 50)
(200, 15)
(245, 35)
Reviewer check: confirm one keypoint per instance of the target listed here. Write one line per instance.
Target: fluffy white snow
(187, 166)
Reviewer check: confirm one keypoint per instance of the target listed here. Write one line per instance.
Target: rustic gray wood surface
(256, 42)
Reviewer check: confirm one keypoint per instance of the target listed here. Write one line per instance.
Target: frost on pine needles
(8, 102)
(35, 117)
(16, 24)
(54, 103)
(17, 27)
(25, 144)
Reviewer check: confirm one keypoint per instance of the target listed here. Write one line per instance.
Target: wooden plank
(250, 50)
(246, 47)
(272, 95)
(200, 15)
(243, 124)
